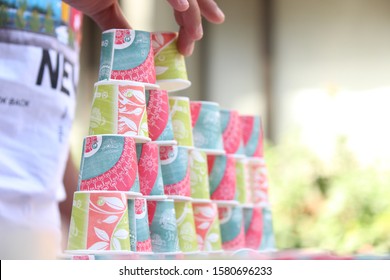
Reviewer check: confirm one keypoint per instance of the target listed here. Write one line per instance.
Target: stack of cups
(174, 231)
(258, 218)
(119, 164)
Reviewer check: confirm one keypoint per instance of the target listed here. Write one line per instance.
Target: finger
(192, 21)
(185, 44)
(211, 11)
(179, 5)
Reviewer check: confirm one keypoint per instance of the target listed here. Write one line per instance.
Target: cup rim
(113, 82)
(114, 29)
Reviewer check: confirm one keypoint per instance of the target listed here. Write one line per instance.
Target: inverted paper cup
(199, 177)
(149, 169)
(232, 132)
(268, 237)
(109, 163)
(163, 226)
(119, 108)
(243, 183)
(99, 222)
(232, 227)
(252, 135)
(175, 169)
(127, 55)
(159, 119)
(207, 226)
(206, 125)
(144, 242)
(222, 177)
(181, 120)
(169, 63)
(258, 181)
(253, 219)
(186, 226)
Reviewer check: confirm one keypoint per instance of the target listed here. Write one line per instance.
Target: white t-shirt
(38, 79)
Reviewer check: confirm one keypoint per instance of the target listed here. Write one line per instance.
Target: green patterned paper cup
(199, 176)
(186, 226)
(181, 120)
(171, 73)
(243, 186)
(99, 222)
(119, 107)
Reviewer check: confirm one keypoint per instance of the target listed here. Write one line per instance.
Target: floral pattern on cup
(253, 219)
(163, 227)
(232, 132)
(207, 226)
(127, 55)
(199, 178)
(171, 73)
(252, 135)
(181, 120)
(222, 176)
(232, 227)
(108, 164)
(186, 226)
(99, 221)
(159, 118)
(206, 126)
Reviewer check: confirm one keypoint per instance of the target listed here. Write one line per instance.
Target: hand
(188, 15)
(106, 13)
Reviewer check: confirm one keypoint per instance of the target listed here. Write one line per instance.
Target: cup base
(165, 142)
(226, 202)
(155, 197)
(173, 85)
(179, 197)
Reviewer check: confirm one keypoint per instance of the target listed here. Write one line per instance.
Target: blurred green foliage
(338, 206)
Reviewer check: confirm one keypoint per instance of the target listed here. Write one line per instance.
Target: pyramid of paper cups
(161, 175)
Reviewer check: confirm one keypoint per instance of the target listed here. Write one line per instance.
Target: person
(39, 47)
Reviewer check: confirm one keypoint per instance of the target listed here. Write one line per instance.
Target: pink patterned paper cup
(207, 226)
(206, 126)
(144, 242)
(231, 222)
(253, 219)
(119, 107)
(149, 169)
(175, 169)
(232, 134)
(171, 73)
(252, 131)
(99, 222)
(258, 181)
(109, 163)
(222, 177)
(159, 118)
(127, 54)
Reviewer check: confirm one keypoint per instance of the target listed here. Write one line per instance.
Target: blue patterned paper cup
(163, 226)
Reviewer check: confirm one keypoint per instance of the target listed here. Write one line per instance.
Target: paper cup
(243, 183)
(170, 65)
(181, 120)
(258, 181)
(149, 169)
(186, 226)
(99, 222)
(175, 169)
(253, 219)
(159, 118)
(109, 163)
(144, 242)
(268, 237)
(119, 108)
(252, 135)
(199, 178)
(127, 55)
(232, 227)
(222, 177)
(207, 226)
(206, 125)
(163, 227)
(232, 134)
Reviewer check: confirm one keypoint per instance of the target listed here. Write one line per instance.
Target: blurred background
(318, 73)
